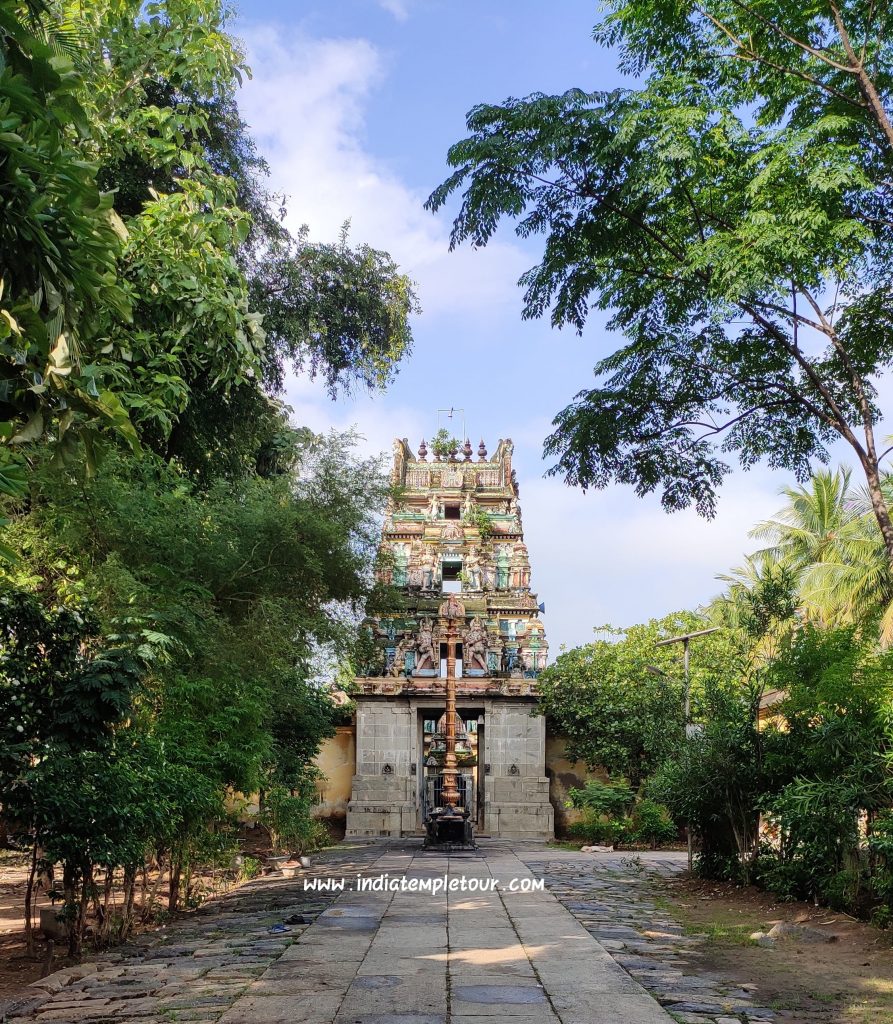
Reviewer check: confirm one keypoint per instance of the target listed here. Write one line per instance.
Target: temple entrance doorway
(470, 754)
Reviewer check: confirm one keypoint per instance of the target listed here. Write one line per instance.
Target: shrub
(652, 824)
(601, 830)
(610, 798)
(818, 842)
(443, 445)
(287, 817)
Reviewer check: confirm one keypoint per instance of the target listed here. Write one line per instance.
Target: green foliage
(826, 538)
(481, 522)
(250, 868)
(816, 823)
(63, 686)
(612, 815)
(615, 711)
(610, 798)
(173, 607)
(67, 780)
(595, 829)
(331, 309)
(443, 445)
(58, 246)
(112, 319)
(652, 825)
(232, 638)
(713, 781)
(730, 217)
(287, 816)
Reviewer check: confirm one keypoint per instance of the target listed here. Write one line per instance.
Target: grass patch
(722, 931)
(827, 997)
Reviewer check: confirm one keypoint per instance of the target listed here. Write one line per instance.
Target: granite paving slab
(368, 957)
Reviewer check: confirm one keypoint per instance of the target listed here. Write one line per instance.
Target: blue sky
(355, 103)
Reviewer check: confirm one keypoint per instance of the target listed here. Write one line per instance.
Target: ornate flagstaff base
(449, 829)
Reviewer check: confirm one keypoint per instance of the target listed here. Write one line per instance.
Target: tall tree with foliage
(732, 215)
(148, 318)
(234, 545)
(58, 246)
(620, 702)
(65, 689)
(827, 537)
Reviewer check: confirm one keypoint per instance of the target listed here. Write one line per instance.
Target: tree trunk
(129, 893)
(74, 884)
(173, 889)
(149, 903)
(103, 917)
(879, 506)
(29, 897)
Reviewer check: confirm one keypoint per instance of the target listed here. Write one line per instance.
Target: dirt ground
(17, 969)
(847, 981)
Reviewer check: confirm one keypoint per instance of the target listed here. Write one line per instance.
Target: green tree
(732, 215)
(224, 295)
(826, 535)
(713, 781)
(122, 318)
(831, 766)
(620, 701)
(58, 246)
(64, 691)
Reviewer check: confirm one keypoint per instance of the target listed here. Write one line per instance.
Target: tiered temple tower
(454, 529)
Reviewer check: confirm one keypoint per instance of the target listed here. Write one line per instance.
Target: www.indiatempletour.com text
(429, 886)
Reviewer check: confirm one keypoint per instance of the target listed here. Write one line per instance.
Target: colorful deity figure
(398, 665)
(503, 560)
(509, 659)
(452, 531)
(429, 568)
(474, 645)
(468, 506)
(400, 552)
(424, 645)
(434, 509)
(520, 567)
(473, 570)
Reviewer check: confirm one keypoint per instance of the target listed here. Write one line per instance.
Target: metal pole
(685, 639)
(450, 769)
(685, 663)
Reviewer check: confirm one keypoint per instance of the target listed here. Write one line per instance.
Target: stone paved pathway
(373, 957)
(616, 898)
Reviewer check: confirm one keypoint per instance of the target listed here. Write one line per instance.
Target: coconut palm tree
(828, 537)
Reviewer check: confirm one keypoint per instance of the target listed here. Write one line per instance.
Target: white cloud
(399, 8)
(306, 108)
(376, 420)
(609, 557)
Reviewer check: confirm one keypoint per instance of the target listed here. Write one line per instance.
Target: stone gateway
(456, 529)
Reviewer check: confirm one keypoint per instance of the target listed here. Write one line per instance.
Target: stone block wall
(385, 794)
(564, 775)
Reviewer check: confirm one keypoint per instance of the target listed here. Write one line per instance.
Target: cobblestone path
(197, 968)
(463, 956)
(616, 899)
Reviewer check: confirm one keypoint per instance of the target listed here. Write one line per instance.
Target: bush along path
(197, 967)
(616, 897)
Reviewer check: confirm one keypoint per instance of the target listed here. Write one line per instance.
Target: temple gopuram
(455, 529)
